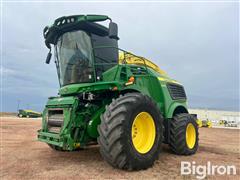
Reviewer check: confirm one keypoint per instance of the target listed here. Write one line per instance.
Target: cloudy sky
(195, 43)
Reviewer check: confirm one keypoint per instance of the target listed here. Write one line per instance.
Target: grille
(176, 91)
(55, 120)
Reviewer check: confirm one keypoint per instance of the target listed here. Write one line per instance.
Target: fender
(175, 105)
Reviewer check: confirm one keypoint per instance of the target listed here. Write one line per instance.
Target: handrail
(124, 58)
(145, 62)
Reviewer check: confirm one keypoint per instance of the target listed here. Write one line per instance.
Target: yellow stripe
(132, 59)
(168, 80)
(161, 79)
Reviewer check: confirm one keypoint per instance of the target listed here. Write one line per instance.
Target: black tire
(56, 148)
(115, 138)
(178, 128)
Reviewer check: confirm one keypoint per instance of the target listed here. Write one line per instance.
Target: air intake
(55, 120)
(176, 91)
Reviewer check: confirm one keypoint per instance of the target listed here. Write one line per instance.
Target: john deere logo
(59, 99)
(65, 90)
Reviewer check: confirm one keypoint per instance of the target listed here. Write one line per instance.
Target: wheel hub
(190, 136)
(143, 132)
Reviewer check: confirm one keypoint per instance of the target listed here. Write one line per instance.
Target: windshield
(74, 58)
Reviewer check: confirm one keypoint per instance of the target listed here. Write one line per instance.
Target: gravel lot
(23, 157)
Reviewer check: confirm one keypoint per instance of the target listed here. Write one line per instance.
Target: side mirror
(48, 57)
(113, 31)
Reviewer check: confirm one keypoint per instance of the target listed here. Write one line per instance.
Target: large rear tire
(130, 133)
(184, 134)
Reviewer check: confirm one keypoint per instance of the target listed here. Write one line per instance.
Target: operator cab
(83, 48)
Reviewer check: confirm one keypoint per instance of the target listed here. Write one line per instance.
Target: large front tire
(184, 134)
(130, 133)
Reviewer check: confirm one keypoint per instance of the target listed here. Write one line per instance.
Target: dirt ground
(23, 157)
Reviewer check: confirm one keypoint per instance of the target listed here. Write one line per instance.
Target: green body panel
(86, 87)
(80, 106)
(50, 138)
(94, 122)
(61, 101)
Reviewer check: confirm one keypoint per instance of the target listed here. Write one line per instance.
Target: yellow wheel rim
(143, 132)
(190, 136)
